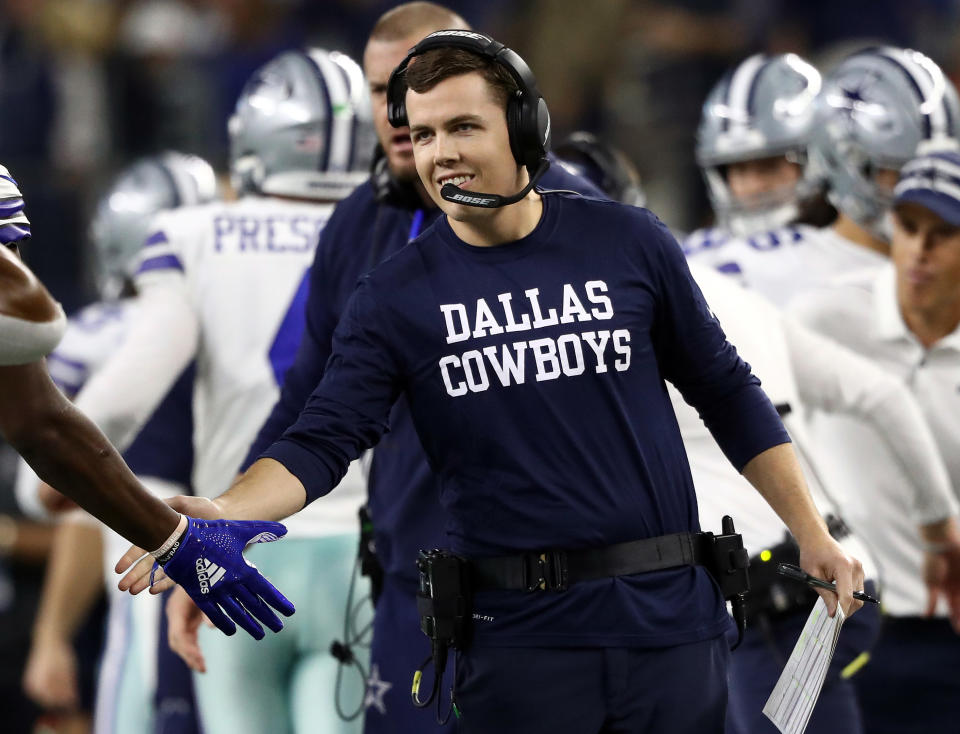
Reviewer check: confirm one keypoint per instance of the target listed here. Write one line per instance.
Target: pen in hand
(798, 574)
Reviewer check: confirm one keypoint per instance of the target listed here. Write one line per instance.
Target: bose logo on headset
(465, 34)
(478, 200)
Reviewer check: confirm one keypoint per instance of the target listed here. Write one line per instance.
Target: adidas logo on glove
(208, 574)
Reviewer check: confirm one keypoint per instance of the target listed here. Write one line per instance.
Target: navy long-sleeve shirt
(534, 373)
(403, 493)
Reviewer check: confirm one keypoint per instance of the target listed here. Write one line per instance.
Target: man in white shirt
(906, 317)
(802, 370)
(877, 109)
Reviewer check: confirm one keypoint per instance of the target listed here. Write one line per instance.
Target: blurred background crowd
(87, 86)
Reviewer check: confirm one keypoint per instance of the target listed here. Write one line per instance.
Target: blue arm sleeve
(696, 357)
(348, 411)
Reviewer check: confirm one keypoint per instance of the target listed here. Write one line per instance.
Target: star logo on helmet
(854, 99)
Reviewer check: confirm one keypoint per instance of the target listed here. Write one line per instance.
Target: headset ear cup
(532, 131)
(542, 126)
(397, 96)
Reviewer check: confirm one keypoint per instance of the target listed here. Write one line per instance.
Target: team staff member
(530, 340)
(68, 452)
(907, 318)
(373, 223)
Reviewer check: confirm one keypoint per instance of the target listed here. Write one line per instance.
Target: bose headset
(528, 120)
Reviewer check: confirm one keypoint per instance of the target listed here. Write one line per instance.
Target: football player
(226, 284)
(752, 148)
(132, 695)
(67, 451)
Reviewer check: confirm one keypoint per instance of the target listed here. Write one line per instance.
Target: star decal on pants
(376, 690)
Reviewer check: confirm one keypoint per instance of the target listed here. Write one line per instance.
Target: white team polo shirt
(862, 313)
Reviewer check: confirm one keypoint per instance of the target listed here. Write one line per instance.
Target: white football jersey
(783, 263)
(862, 313)
(243, 267)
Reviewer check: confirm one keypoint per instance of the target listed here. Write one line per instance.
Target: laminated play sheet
(791, 703)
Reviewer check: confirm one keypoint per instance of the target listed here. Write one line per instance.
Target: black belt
(556, 570)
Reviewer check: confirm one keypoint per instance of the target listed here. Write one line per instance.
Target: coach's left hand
(826, 560)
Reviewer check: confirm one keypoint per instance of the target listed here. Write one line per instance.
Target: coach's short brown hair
(434, 66)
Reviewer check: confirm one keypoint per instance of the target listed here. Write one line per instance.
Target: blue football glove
(210, 566)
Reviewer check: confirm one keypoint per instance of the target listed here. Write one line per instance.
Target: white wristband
(172, 540)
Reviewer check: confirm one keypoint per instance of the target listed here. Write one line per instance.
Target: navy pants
(680, 690)
(912, 683)
(756, 665)
(397, 648)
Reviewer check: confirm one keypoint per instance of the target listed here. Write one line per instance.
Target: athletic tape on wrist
(23, 341)
(165, 552)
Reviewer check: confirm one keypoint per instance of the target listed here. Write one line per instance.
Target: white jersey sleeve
(93, 334)
(159, 344)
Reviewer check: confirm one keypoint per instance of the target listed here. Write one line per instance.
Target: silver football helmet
(762, 108)
(303, 127)
(879, 108)
(123, 215)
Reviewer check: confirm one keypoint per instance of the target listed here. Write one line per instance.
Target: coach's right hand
(183, 620)
(208, 563)
(239, 594)
(138, 563)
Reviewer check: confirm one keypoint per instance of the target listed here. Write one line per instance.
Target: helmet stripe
(324, 163)
(754, 84)
(348, 70)
(936, 121)
(741, 85)
(172, 180)
(725, 99)
(342, 125)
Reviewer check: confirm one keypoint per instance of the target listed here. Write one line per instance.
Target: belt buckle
(549, 571)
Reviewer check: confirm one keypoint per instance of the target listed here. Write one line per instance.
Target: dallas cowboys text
(547, 358)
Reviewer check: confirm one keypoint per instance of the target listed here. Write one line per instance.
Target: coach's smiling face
(459, 134)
